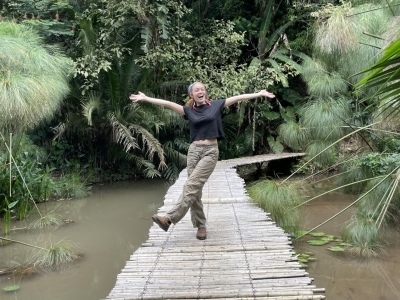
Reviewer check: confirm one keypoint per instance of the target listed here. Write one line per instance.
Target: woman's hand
(139, 97)
(265, 93)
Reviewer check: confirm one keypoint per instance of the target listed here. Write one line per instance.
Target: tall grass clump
(279, 199)
(322, 80)
(336, 33)
(59, 253)
(49, 220)
(361, 235)
(295, 135)
(36, 79)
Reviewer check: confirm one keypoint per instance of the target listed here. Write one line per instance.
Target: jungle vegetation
(332, 65)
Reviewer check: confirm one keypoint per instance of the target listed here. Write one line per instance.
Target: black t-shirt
(205, 121)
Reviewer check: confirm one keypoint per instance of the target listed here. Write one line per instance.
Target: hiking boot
(201, 234)
(163, 222)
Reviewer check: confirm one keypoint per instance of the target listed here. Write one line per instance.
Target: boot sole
(162, 226)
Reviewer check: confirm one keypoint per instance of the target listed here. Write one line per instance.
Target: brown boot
(201, 234)
(163, 222)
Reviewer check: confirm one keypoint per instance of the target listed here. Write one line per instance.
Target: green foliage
(324, 118)
(384, 75)
(275, 145)
(321, 81)
(33, 78)
(278, 200)
(305, 258)
(30, 181)
(11, 288)
(374, 164)
(362, 234)
(57, 254)
(49, 220)
(294, 135)
(53, 19)
(352, 173)
(335, 33)
(320, 125)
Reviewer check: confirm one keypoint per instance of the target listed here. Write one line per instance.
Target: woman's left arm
(232, 100)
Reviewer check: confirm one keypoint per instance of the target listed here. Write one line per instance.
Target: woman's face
(199, 93)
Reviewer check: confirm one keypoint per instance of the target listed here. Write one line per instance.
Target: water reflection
(108, 227)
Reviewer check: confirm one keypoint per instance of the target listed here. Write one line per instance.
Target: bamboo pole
(10, 156)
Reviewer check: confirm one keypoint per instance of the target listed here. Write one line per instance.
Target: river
(114, 221)
(109, 225)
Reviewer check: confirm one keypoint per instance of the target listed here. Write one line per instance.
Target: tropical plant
(349, 33)
(327, 79)
(279, 201)
(34, 78)
(55, 255)
(382, 82)
(24, 181)
(361, 234)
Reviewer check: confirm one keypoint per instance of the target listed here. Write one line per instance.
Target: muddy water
(346, 277)
(109, 226)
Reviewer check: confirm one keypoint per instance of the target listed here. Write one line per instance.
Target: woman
(205, 125)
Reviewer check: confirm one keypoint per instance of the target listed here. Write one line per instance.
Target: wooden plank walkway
(245, 255)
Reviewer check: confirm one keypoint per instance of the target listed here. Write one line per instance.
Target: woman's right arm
(171, 105)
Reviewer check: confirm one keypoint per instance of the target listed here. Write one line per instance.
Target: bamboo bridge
(245, 255)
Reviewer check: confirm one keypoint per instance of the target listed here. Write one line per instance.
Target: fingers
(267, 94)
(137, 97)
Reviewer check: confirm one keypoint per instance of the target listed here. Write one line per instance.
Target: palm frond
(89, 105)
(86, 36)
(147, 36)
(385, 75)
(152, 144)
(173, 155)
(265, 26)
(282, 55)
(122, 134)
(147, 168)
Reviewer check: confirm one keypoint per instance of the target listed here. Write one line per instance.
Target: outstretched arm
(232, 100)
(171, 105)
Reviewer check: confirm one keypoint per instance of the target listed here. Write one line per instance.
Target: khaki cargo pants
(201, 161)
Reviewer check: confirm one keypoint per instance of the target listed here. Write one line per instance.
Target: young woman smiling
(205, 125)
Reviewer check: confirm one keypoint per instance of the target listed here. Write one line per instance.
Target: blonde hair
(190, 102)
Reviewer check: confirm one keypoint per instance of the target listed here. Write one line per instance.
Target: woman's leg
(201, 163)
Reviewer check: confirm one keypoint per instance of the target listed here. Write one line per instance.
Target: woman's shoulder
(218, 101)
